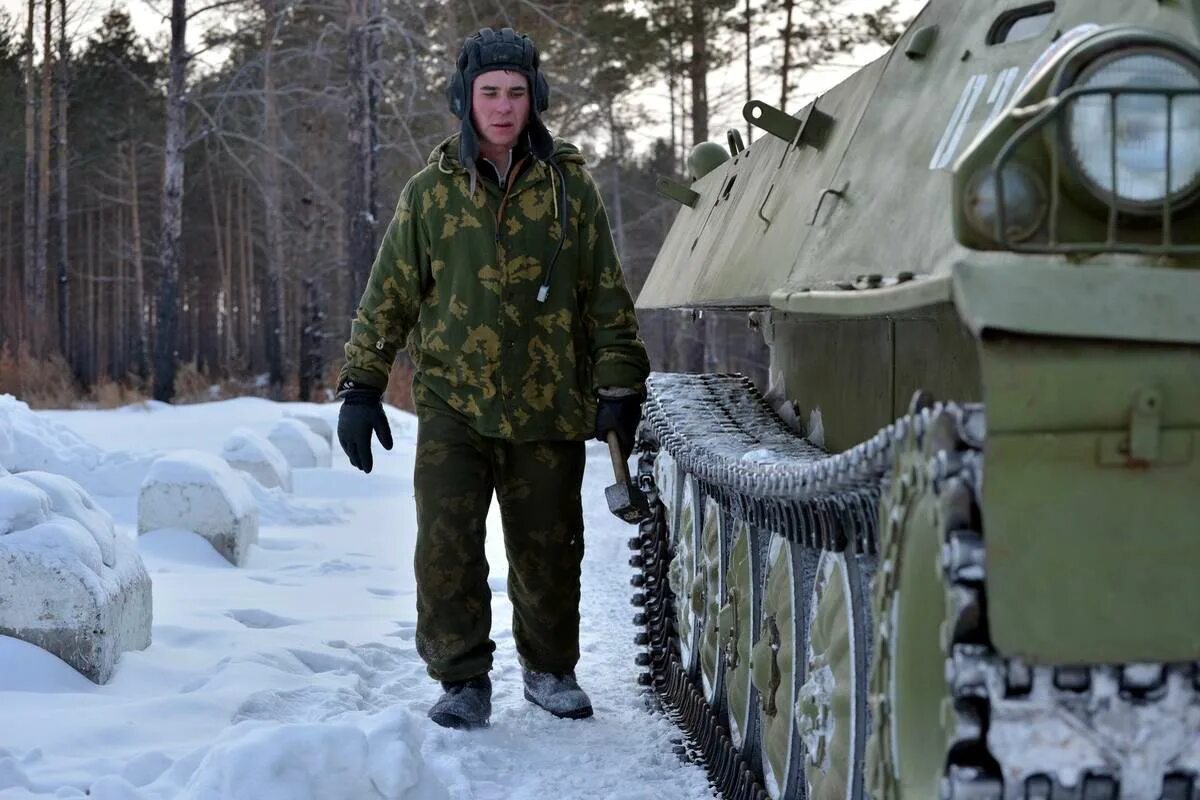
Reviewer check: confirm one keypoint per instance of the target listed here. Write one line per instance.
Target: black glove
(361, 413)
(620, 414)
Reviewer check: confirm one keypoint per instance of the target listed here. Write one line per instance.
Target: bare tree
(785, 70)
(698, 66)
(362, 128)
(172, 208)
(40, 326)
(141, 345)
(31, 173)
(272, 202)
(64, 288)
(815, 31)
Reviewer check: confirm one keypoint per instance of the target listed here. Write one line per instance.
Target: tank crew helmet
(490, 50)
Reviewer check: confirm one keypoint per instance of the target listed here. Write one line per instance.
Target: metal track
(720, 430)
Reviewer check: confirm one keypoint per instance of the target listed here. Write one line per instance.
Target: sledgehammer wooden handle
(614, 450)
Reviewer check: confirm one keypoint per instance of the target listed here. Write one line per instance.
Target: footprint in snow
(270, 580)
(306, 704)
(325, 567)
(257, 618)
(285, 544)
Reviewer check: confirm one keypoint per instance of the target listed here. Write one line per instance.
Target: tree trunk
(272, 203)
(698, 72)
(359, 237)
(749, 82)
(64, 288)
(311, 362)
(29, 231)
(141, 344)
(221, 319)
(120, 324)
(617, 156)
(246, 306)
(172, 210)
(228, 350)
(672, 80)
(103, 304)
(90, 300)
(785, 71)
(683, 115)
(8, 296)
(41, 325)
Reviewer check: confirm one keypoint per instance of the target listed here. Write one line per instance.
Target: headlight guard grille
(1145, 234)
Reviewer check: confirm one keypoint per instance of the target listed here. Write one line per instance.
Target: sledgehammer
(624, 499)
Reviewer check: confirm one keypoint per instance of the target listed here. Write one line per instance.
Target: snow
(199, 492)
(30, 441)
(296, 675)
(257, 456)
(299, 444)
(68, 583)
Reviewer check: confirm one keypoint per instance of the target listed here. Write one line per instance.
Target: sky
(726, 88)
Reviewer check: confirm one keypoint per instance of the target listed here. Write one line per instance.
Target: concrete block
(199, 492)
(316, 424)
(254, 454)
(69, 583)
(300, 446)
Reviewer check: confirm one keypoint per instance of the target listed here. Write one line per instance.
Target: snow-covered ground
(296, 676)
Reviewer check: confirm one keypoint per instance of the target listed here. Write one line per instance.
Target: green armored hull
(951, 550)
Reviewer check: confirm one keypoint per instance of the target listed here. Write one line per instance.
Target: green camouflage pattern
(538, 488)
(456, 283)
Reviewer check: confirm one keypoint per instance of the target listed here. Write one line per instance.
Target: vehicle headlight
(1146, 125)
(1025, 203)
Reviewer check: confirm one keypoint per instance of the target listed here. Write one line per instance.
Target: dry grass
(193, 386)
(41, 383)
(108, 393)
(49, 383)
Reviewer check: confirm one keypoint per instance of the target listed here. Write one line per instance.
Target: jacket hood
(446, 154)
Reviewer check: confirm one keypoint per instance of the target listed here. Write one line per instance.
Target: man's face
(500, 106)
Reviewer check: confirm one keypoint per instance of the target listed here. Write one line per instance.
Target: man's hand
(621, 414)
(361, 413)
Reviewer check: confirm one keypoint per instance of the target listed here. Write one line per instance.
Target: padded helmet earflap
(541, 88)
(456, 91)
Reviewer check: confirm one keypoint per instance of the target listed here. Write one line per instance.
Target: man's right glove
(361, 413)
(621, 414)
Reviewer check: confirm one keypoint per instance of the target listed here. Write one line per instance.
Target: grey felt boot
(558, 694)
(465, 704)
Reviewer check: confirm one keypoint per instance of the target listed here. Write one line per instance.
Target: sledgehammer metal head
(624, 499)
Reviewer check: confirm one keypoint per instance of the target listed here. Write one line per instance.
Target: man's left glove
(361, 413)
(621, 414)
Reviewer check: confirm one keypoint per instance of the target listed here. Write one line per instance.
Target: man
(498, 275)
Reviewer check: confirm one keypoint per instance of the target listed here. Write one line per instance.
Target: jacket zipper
(513, 171)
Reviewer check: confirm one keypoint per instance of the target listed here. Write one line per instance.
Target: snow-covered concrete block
(199, 492)
(256, 456)
(300, 446)
(316, 424)
(69, 583)
(29, 441)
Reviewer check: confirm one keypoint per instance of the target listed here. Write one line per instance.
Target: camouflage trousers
(538, 488)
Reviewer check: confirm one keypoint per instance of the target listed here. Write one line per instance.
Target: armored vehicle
(951, 550)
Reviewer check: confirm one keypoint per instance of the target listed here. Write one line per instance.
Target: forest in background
(181, 230)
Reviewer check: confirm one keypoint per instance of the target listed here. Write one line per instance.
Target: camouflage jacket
(456, 283)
